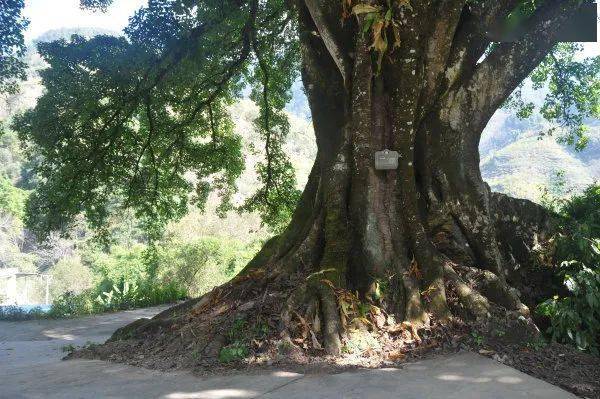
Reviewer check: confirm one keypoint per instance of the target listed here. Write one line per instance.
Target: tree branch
(330, 38)
(495, 78)
(439, 46)
(471, 41)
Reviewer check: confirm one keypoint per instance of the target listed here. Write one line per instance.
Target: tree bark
(422, 228)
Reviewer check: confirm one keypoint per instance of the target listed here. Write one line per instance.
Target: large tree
(127, 117)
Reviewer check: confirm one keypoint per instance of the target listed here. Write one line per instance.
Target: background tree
(12, 45)
(129, 117)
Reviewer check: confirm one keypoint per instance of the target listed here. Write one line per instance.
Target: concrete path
(30, 367)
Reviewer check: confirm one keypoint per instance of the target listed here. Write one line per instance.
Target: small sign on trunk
(386, 160)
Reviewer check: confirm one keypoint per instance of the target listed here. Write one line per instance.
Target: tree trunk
(429, 234)
(420, 229)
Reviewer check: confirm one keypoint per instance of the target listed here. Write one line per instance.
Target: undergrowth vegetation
(128, 277)
(574, 313)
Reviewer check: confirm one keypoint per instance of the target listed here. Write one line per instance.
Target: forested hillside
(517, 160)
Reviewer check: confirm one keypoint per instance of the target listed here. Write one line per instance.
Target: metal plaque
(386, 160)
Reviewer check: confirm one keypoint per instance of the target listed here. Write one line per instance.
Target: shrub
(127, 295)
(69, 304)
(121, 263)
(120, 296)
(12, 199)
(16, 313)
(575, 317)
(237, 338)
(70, 274)
(202, 264)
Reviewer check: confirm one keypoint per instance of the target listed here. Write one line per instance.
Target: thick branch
(471, 41)
(330, 38)
(502, 71)
(439, 47)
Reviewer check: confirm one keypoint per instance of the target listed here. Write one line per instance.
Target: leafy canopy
(141, 120)
(573, 93)
(12, 45)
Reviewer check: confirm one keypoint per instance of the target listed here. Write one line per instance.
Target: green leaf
(365, 8)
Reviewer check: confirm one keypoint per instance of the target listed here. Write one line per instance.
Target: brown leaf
(396, 355)
(365, 9)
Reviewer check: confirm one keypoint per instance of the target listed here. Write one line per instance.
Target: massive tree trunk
(420, 228)
(426, 233)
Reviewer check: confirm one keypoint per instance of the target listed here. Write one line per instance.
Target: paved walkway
(30, 367)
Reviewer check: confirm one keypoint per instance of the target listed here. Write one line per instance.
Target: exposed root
(475, 303)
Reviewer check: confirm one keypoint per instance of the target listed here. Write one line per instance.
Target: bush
(72, 305)
(204, 263)
(120, 296)
(121, 263)
(70, 274)
(12, 199)
(575, 317)
(127, 295)
(16, 313)
(96, 280)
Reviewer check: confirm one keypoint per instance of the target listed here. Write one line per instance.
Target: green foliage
(16, 313)
(536, 343)
(73, 305)
(125, 119)
(238, 338)
(118, 278)
(12, 199)
(70, 274)
(68, 348)
(10, 156)
(12, 44)
(127, 295)
(232, 352)
(204, 263)
(575, 317)
(101, 5)
(120, 263)
(120, 296)
(271, 81)
(478, 339)
(573, 93)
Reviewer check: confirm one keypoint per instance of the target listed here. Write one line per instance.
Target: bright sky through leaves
(45, 15)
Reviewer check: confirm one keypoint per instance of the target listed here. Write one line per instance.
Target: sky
(45, 15)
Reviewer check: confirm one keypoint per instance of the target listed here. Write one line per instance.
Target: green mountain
(517, 160)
